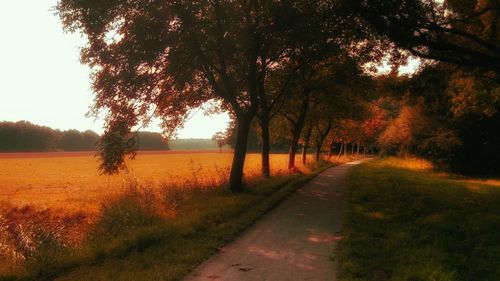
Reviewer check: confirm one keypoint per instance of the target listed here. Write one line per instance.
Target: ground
(404, 221)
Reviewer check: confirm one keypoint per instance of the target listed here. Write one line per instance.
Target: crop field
(71, 181)
(58, 200)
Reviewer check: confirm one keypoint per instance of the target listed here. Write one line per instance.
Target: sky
(42, 80)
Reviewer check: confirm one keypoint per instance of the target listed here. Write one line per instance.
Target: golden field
(71, 181)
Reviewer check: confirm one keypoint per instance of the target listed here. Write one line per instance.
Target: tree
(71, 140)
(473, 92)
(401, 134)
(306, 141)
(161, 58)
(74, 140)
(461, 110)
(150, 141)
(324, 95)
(24, 136)
(373, 124)
(461, 32)
(303, 39)
(90, 140)
(296, 114)
(253, 142)
(338, 116)
(462, 38)
(322, 130)
(221, 139)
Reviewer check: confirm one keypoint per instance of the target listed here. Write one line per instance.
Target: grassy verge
(405, 222)
(159, 236)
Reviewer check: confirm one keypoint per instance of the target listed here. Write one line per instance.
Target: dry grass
(71, 181)
(408, 163)
(418, 164)
(55, 206)
(492, 182)
(54, 197)
(23, 231)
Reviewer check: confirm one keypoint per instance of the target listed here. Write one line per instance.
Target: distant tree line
(24, 136)
(193, 144)
(151, 141)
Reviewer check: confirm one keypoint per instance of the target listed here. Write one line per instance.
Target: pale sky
(42, 80)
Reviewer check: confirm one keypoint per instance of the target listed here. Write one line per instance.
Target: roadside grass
(72, 181)
(405, 222)
(159, 234)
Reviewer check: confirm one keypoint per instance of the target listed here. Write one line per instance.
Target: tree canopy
(161, 58)
(466, 33)
(295, 64)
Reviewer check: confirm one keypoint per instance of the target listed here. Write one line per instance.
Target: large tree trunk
(357, 152)
(317, 151)
(341, 149)
(243, 121)
(292, 152)
(240, 151)
(264, 125)
(307, 139)
(296, 131)
(265, 118)
(345, 149)
(321, 139)
(330, 150)
(294, 144)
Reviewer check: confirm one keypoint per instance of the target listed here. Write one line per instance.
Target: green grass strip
(403, 224)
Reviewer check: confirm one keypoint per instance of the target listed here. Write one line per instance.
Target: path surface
(292, 242)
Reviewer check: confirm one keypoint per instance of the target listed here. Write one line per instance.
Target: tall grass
(25, 233)
(150, 232)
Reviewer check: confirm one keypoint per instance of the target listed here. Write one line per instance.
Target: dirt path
(292, 242)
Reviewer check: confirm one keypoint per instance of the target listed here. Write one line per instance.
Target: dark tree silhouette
(151, 141)
(25, 136)
(461, 32)
(74, 140)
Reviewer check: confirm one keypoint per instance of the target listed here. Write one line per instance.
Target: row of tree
(24, 136)
(446, 115)
(294, 68)
(437, 114)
